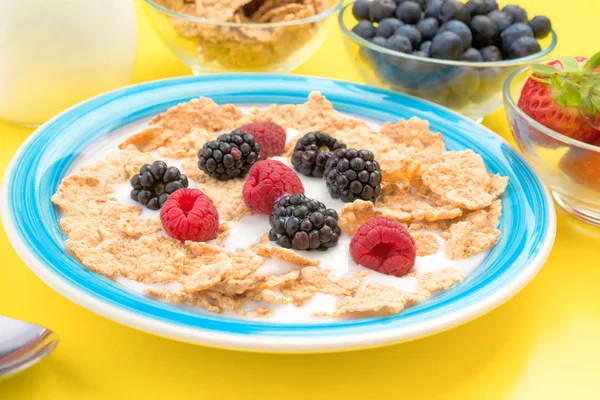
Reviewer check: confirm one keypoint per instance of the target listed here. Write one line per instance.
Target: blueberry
(472, 55)
(435, 88)
(501, 19)
(541, 26)
(360, 9)
(492, 5)
(420, 53)
(461, 30)
(364, 29)
(481, 7)
(457, 102)
(399, 43)
(465, 82)
(453, 9)
(421, 3)
(512, 33)
(409, 12)
(524, 46)
(447, 46)
(379, 41)
(491, 54)
(388, 26)
(476, 7)
(433, 8)
(425, 47)
(428, 28)
(411, 33)
(484, 30)
(381, 9)
(517, 13)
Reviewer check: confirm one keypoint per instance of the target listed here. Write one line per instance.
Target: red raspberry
(189, 214)
(270, 137)
(267, 181)
(384, 245)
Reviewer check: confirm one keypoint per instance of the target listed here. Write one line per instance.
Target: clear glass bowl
(211, 46)
(570, 168)
(472, 89)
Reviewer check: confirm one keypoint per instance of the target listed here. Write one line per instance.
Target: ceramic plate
(30, 219)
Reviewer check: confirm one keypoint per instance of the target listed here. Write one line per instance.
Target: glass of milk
(55, 53)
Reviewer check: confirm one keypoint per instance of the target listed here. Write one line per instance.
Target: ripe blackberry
(153, 185)
(312, 152)
(353, 174)
(230, 156)
(300, 223)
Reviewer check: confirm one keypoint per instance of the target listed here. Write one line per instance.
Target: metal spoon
(23, 344)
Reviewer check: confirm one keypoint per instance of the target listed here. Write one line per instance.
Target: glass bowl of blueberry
(454, 54)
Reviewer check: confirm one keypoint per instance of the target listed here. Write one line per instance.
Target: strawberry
(564, 95)
(583, 166)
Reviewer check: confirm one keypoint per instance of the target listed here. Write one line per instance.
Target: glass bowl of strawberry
(454, 53)
(554, 113)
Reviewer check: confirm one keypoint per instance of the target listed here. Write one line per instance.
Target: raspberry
(384, 245)
(269, 180)
(189, 214)
(270, 137)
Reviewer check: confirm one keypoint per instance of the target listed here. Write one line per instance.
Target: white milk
(55, 53)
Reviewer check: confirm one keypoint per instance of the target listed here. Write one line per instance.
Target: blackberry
(312, 152)
(300, 223)
(153, 185)
(230, 156)
(353, 174)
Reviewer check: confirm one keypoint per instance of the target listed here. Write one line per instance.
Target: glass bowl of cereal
(427, 59)
(242, 35)
(567, 161)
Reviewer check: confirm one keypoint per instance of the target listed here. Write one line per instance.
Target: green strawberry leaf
(586, 107)
(570, 95)
(556, 82)
(592, 64)
(545, 70)
(588, 111)
(596, 101)
(593, 79)
(542, 80)
(570, 64)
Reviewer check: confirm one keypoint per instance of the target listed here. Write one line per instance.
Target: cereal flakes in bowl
(242, 35)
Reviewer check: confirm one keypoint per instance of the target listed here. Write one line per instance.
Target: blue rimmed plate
(43, 160)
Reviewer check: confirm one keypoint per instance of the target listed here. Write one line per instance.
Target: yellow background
(544, 343)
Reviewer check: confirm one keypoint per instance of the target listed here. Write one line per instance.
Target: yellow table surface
(544, 343)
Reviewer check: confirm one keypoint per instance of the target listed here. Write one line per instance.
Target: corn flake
(425, 243)
(82, 196)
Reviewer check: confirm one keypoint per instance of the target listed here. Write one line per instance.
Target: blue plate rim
(268, 342)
